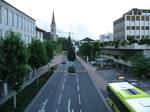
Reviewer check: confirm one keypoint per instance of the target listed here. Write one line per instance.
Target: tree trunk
(5, 89)
(37, 79)
(15, 99)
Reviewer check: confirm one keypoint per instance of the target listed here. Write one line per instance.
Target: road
(66, 92)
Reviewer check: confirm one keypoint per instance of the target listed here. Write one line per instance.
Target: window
(137, 17)
(17, 21)
(0, 33)
(147, 27)
(147, 18)
(128, 27)
(133, 18)
(133, 27)
(21, 23)
(137, 37)
(6, 16)
(11, 18)
(0, 14)
(137, 27)
(128, 17)
(142, 18)
(143, 28)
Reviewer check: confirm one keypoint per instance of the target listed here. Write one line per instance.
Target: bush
(71, 69)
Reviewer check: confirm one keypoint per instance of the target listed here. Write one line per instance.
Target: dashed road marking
(59, 98)
(78, 88)
(62, 87)
(69, 105)
(79, 99)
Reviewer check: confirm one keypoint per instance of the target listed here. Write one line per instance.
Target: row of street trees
(15, 57)
(140, 64)
(89, 49)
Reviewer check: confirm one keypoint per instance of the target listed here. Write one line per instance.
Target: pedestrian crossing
(79, 71)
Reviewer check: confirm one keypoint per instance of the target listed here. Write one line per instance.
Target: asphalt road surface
(66, 92)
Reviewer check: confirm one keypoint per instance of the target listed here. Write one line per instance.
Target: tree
(49, 46)
(13, 61)
(85, 49)
(140, 65)
(38, 55)
(71, 50)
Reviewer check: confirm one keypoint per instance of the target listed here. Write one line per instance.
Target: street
(66, 92)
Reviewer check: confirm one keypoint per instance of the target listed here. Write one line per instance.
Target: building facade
(135, 23)
(106, 37)
(13, 19)
(39, 34)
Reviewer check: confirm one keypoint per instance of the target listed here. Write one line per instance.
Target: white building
(39, 34)
(106, 37)
(13, 19)
(135, 23)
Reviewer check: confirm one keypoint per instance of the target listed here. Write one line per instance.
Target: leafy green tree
(63, 42)
(38, 55)
(71, 50)
(13, 61)
(94, 49)
(85, 49)
(49, 45)
(140, 65)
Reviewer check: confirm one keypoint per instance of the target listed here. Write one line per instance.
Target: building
(87, 39)
(53, 27)
(39, 33)
(106, 37)
(13, 19)
(135, 23)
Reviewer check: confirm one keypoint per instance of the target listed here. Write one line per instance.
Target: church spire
(53, 27)
(53, 19)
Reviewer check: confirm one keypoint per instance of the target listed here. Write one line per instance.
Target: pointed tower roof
(53, 20)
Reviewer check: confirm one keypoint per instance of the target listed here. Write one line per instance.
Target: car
(63, 62)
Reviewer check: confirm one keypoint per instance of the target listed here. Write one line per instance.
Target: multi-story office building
(135, 23)
(106, 37)
(13, 19)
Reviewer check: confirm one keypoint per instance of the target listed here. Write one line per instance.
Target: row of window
(138, 36)
(133, 18)
(25, 38)
(10, 18)
(137, 27)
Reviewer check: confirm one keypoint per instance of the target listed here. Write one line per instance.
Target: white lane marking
(43, 106)
(64, 80)
(77, 80)
(78, 88)
(56, 110)
(59, 98)
(72, 110)
(62, 87)
(80, 110)
(79, 98)
(69, 105)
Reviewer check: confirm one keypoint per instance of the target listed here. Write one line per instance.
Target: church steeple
(53, 20)
(53, 27)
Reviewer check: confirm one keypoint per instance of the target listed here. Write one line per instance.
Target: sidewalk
(42, 70)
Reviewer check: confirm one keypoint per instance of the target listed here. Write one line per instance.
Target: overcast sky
(85, 18)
